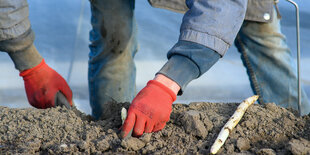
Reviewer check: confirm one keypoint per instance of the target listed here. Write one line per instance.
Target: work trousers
(270, 64)
(111, 71)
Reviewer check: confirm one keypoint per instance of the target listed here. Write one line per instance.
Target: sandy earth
(192, 129)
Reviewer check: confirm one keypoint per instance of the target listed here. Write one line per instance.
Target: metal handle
(298, 54)
(77, 35)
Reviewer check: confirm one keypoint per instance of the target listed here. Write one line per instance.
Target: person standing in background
(208, 29)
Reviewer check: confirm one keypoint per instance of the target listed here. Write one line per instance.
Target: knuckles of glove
(152, 121)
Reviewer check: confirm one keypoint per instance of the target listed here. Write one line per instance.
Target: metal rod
(298, 54)
(77, 35)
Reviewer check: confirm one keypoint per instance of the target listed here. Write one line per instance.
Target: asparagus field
(192, 129)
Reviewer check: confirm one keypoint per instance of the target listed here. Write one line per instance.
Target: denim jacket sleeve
(213, 23)
(208, 29)
(257, 10)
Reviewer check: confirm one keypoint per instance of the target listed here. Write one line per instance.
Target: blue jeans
(111, 71)
(269, 64)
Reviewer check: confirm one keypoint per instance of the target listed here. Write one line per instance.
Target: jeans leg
(269, 64)
(111, 71)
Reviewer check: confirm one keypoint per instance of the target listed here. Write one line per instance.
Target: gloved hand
(45, 88)
(150, 109)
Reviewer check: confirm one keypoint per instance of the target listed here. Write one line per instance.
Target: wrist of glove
(150, 109)
(45, 88)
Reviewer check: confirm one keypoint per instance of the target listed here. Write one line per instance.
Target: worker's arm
(44, 86)
(208, 29)
(151, 108)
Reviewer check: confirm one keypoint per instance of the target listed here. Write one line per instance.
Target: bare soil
(192, 129)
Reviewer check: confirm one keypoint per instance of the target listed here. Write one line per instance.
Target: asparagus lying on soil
(232, 122)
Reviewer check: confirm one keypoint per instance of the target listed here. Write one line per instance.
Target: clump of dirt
(192, 129)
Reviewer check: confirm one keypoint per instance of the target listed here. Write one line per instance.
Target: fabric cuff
(181, 70)
(26, 59)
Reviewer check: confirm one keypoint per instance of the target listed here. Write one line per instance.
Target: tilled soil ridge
(192, 129)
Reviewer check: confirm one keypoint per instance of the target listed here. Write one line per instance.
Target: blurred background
(62, 28)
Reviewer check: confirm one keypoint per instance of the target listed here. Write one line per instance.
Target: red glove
(45, 88)
(150, 109)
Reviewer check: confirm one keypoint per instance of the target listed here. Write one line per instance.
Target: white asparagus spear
(123, 114)
(232, 122)
(123, 117)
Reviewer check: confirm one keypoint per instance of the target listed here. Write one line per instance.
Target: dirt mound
(191, 129)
